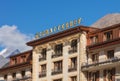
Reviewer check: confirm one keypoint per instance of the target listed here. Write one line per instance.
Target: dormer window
(108, 36)
(14, 60)
(23, 58)
(94, 39)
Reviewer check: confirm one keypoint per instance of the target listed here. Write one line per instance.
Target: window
(94, 39)
(23, 58)
(109, 74)
(110, 54)
(5, 77)
(74, 44)
(58, 65)
(14, 75)
(59, 49)
(74, 78)
(23, 73)
(43, 68)
(14, 60)
(108, 36)
(93, 76)
(57, 68)
(95, 58)
(43, 71)
(73, 48)
(73, 65)
(43, 54)
(74, 62)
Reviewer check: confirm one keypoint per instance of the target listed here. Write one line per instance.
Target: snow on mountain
(13, 53)
(9, 52)
(3, 51)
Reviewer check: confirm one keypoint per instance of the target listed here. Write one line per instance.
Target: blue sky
(31, 16)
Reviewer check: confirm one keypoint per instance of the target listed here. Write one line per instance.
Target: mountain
(3, 61)
(9, 52)
(4, 56)
(13, 53)
(107, 20)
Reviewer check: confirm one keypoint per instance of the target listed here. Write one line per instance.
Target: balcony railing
(56, 71)
(72, 68)
(23, 78)
(42, 58)
(42, 74)
(102, 61)
(56, 55)
(72, 50)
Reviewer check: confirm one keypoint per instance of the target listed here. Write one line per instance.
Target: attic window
(108, 36)
(94, 39)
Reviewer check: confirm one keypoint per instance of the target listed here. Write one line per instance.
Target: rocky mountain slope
(107, 20)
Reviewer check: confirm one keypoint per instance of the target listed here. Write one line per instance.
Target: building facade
(19, 68)
(58, 57)
(79, 53)
(103, 55)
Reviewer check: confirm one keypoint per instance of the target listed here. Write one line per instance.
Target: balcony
(42, 74)
(72, 68)
(23, 79)
(56, 71)
(72, 50)
(56, 55)
(101, 62)
(42, 58)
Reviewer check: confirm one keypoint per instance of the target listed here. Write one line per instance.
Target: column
(35, 65)
(82, 55)
(49, 64)
(65, 60)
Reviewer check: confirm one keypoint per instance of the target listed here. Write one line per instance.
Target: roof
(61, 34)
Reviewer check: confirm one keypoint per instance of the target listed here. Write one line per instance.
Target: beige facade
(69, 69)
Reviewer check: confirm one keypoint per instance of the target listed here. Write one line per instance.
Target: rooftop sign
(58, 28)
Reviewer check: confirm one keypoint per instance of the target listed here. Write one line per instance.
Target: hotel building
(79, 53)
(18, 69)
(58, 57)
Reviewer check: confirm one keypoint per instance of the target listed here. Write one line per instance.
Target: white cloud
(12, 38)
